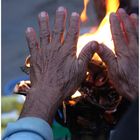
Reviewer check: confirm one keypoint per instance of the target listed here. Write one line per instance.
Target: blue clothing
(28, 128)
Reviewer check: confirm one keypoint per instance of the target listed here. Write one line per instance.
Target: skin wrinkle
(59, 26)
(59, 77)
(63, 71)
(128, 29)
(124, 71)
(135, 21)
(118, 39)
(44, 34)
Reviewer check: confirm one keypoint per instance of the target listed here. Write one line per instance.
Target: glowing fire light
(103, 33)
(76, 94)
(24, 83)
(22, 87)
(27, 61)
(83, 16)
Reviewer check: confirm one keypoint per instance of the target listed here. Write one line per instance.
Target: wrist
(40, 104)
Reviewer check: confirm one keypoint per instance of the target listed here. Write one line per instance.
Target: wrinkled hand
(123, 68)
(55, 71)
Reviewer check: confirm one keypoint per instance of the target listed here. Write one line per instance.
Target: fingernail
(112, 16)
(29, 29)
(134, 16)
(74, 14)
(43, 14)
(61, 8)
(121, 10)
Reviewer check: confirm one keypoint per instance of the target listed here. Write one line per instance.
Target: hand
(123, 67)
(55, 71)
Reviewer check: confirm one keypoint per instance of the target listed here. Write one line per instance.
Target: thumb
(87, 52)
(107, 55)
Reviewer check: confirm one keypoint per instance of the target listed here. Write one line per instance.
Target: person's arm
(55, 71)
(28, 128)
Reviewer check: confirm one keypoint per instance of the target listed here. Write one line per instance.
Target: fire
(24, 83)
(83, 16)
(27, 61)
(22, 87)
(76, 94)
(103, 33)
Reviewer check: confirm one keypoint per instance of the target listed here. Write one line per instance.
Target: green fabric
(11, 103)
(59, 131)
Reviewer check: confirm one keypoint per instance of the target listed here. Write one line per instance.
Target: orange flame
(27, 61)
(83, 16)
(103, 33)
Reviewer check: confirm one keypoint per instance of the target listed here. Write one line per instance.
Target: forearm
(38, 105)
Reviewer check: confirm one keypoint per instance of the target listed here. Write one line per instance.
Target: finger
(59, 27)
(127, 25)
(43, 20)
(117, 35)
(107, 56)
(73, 33)
(135, 21)
(31, 40)
(87, 53)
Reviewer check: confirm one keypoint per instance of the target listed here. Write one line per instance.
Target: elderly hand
(55, 71)
(123, 68)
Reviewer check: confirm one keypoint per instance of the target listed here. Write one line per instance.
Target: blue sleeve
(28, 128)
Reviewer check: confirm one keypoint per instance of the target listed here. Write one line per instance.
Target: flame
(24, 83)
(76, 94)
(83, 16)
(103, 33)
(71, 102)
(27, 61)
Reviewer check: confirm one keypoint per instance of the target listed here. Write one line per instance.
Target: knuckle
(44, 34)
(73, 33)
(59, 30)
